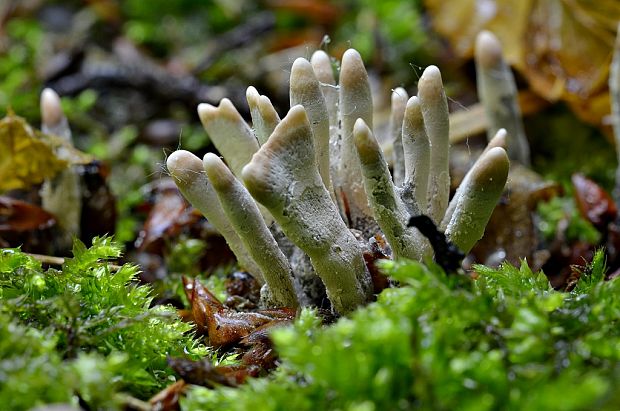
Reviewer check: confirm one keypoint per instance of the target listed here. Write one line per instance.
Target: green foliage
(589, 151)
(504, 341)
(187, 22)
(184, 260)
(560, 209)
(33, 373)
(19, 83)
(395, 22)
(85, 321)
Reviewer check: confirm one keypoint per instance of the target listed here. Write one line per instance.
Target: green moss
(560, 209)
(588, 150)
(504, 341)
(88, 322)
(19, 81)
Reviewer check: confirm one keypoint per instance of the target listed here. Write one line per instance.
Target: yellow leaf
(562, 47)
(27, 156)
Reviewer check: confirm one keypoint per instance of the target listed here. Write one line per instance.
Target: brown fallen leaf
(224, 326)
(594, 203)
(168, 217)
(26, 225)
(20, 216)
(261, 352)
(169, 213)
(378, 249)
(323, 12)
(259, 356)
(168, 398)
(243, 291)
(566, 263)
(203, 372)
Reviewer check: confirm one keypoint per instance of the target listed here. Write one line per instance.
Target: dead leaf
(378, 249)
(203, 372)
(224, 326)
(20, 216)
(261, 351)
(243, 291)
(169, 214)
(594, 203)
(321, 11)
(562, 47)
(27, 156)
(168, 398)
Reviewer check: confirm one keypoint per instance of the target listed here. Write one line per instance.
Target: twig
(132, 403)
(58, 261)
(447, 255)
(473, 121)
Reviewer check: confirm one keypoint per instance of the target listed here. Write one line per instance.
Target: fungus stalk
(61, 195)
(264, 116)
(478, 198)
(248, 223)
(283, 176)
(470, 210)
(327, 136)
(355, 102)
(399, 102)
(233, 138)
(498, 93)
(189, 176)
(322, 67)
(229, 132)
(434, 106)
(416, 156)
(389, 210)
(498, 141)
(305, 90)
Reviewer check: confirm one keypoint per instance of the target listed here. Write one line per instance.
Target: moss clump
(506, 340)
(84, 331)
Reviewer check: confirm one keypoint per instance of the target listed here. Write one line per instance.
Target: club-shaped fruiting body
(498, 93)
(388, 208)
(264, 116)
(399, 103)
(283, 176)
(478, 198)
(229, 132)
(355, 101)
(188, 173)
(434, 106)
(305, 90)
(247, 221)
(61, 195)
(320, 173)
(416, 158)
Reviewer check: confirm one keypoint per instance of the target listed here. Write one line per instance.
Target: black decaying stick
(447, 255)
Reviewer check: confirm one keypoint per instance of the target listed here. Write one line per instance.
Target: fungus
(61, 195)
(498, 93)
(248, 223)
(322, 180)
